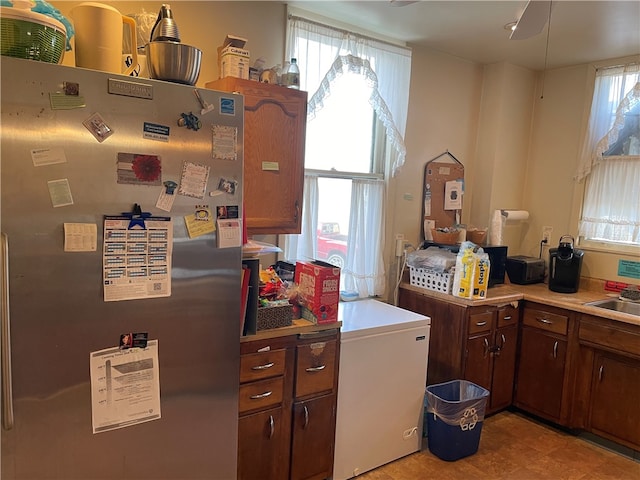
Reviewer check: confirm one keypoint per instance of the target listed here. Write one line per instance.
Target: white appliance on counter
(381, 385)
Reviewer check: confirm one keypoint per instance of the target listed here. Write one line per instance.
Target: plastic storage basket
(455, 413)
(31, 35)
(424, 278)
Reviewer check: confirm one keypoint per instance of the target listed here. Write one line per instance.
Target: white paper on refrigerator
(125, 387)
(137, 257)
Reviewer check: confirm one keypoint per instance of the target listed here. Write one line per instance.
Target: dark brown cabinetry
(577, 370)
(608, 380)
(264, 425)
(491, 352)
(542, 383)
(288, 392)
(314, 408)
(274, 140)
(475, 343)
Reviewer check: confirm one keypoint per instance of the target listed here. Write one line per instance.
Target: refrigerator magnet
(167, 196)
(193, 181)
(224, 142)
(98, 127)
(133, 340)
(226, 185)
(139, 169)
(198, 226)
(60, 192)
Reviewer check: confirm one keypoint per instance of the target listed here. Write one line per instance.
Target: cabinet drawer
(480, 322)
(622, 340)
(315, 367)
(261, 394)
(548, 321)
(507, 316)
(256, 366)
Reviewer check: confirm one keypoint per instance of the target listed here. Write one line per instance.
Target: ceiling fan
(533, 19)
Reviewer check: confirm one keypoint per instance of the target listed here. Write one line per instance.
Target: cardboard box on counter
(318, 290)
(233, 59)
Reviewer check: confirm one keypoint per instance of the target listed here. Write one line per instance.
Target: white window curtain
(611, 206)
(616, 91)
(304, 247)
(364, 274)
(329, 52)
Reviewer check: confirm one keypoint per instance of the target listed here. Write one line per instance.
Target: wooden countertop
(299, 326)
(590, 291)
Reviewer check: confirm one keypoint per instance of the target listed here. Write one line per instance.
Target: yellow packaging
(463, 277)
(481, 276)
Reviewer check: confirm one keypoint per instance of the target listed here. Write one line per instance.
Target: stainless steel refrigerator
(83, 151)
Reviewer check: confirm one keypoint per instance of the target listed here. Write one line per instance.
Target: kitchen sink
(617, 305)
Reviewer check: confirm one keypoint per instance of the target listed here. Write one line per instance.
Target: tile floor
(515, 447)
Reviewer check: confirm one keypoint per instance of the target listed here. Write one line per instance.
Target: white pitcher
(98, 38)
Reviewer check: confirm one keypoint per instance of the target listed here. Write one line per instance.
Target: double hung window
(358, 98)
(610, 161)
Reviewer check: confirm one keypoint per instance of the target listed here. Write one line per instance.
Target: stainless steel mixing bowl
(173, 61)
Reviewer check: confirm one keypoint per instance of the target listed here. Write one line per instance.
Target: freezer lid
(368, 316)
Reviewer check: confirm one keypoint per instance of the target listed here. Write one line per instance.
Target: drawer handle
(272, 426)
(481, 324)
(544, 320)
(507, 317)
(315, 369)
(260, 395)
(263, 367)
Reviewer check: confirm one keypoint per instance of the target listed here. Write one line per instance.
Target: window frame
(607, 247)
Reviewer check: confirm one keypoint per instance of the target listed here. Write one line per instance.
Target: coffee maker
(565, 263)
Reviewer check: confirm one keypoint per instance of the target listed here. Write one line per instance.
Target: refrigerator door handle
(7, 391)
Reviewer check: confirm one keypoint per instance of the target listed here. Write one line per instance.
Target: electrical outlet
(546, 235)
(399, 244)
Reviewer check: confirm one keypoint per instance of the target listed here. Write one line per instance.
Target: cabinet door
(313, 438)
(275, 127)
(541, 373)
(504, 366)
(478, 361)
(275, 122)
(262, 446)
(615, 399)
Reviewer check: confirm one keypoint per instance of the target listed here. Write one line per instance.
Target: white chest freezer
(381, 384)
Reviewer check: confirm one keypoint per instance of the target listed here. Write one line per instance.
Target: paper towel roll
(495, 230)
(515, 215)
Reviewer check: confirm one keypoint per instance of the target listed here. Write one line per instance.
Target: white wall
(444, 102)
(503, 145)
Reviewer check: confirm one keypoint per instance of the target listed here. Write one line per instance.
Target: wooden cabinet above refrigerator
(275, 126)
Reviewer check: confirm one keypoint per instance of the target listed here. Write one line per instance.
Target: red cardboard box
(318, 290)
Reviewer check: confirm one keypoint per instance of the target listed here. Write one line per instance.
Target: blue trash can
(455, 413)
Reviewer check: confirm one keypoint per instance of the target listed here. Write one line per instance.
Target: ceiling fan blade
(533, 19)
(401, 3)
